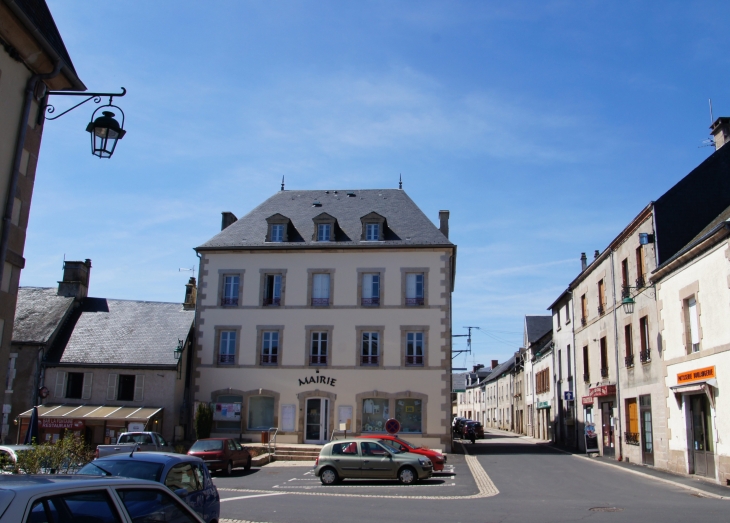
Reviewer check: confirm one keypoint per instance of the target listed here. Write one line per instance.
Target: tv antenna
(185, 269)
(455, 353)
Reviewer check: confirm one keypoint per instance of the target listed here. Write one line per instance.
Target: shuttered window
(694, 327)
(60, 391)
(632, 413)
(86, 388)
(111, 388)
(139, 387)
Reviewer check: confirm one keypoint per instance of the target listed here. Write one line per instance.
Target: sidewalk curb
(696, 490)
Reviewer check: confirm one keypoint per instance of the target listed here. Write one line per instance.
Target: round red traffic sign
(392, 426)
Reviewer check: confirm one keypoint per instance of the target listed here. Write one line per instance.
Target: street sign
(568, 395)
(392, 426)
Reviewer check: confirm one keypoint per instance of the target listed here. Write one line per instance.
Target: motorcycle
(471, 435)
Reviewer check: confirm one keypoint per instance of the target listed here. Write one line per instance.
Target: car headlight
(424, 462)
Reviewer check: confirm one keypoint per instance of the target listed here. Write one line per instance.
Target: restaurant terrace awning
(93, 412)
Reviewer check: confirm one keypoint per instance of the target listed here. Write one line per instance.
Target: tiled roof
(38, 313)
(121, 332)
(537, 327)
(501, 369)
(405, 222)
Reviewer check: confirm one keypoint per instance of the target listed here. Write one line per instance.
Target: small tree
(203, 421)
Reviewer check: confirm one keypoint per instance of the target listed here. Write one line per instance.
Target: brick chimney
(191, 295)
(495, 364)
(720, 131)
(444, 222)
(75, 283)
(227, 219)
(583, 262)
(478, 367)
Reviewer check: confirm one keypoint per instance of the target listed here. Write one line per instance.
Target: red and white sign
(603, 390)
(587, 400)
(60, 423)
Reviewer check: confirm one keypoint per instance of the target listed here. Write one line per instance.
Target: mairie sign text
(324, 380)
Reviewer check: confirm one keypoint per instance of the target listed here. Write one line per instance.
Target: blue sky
(544, 127)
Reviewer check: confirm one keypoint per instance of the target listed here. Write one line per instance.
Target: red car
(221, 454)
(402, 445)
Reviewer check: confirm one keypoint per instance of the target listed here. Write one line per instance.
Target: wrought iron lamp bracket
(650, 289)
(50, 109)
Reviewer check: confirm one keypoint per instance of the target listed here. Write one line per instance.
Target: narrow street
(526, 481)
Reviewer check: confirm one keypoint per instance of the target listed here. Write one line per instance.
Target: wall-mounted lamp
(628, 304)
(105, 130)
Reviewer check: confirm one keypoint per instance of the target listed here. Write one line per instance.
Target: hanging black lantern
(105, 131)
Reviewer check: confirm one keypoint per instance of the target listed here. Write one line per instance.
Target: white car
(52, 498)
(9, 456)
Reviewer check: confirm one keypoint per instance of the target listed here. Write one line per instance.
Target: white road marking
(253, 496)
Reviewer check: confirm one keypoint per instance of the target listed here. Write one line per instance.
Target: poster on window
(591, 438)
(288, 413)
(227, 412)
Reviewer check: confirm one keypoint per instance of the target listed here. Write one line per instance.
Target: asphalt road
(503, 479)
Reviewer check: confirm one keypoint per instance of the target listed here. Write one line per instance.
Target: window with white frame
(277, 233)
(320, 290)
(318, 348)
(323, 232)
(414, 289)
(372, 232)
(227, 348)
(369, 354)
(73, 385)
(370, 289)
(272, 289)
(270, 348)
(230, 290)
(414, 348)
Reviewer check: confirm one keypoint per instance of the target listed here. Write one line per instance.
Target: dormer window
(372, 232)
(373, 227)
(324, 228)
(323, 232)
(277, 233)
(278, 230)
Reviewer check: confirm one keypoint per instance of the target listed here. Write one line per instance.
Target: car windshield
(394, 446)
(410, 444)
(204, 445)
(129, 468)
(144, 439)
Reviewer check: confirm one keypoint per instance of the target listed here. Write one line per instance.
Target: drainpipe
(20, 143)
(617, 421)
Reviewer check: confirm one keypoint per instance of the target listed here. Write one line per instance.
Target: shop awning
(94, 412)
(697, 387)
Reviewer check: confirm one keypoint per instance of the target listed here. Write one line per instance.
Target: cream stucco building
(327, 309)
(693, 289)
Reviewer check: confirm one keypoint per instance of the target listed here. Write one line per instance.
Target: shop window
(227, 413)
(375, 412)
(408, 412)
(260, 412)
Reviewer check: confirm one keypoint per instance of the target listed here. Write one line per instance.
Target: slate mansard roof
(121, 332)
(537, 327)
(38, 313)
(405, 223)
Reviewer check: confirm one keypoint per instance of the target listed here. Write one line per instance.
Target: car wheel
(328, 476)
(247, 466)
(407, 476)
(229, 468)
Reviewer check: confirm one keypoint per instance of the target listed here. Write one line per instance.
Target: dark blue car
(186, 476)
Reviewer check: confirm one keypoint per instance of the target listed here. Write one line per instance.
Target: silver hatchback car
(367, 459)
(78, 499)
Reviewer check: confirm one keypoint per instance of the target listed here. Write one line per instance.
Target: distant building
(99, 366)
(537, 336)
